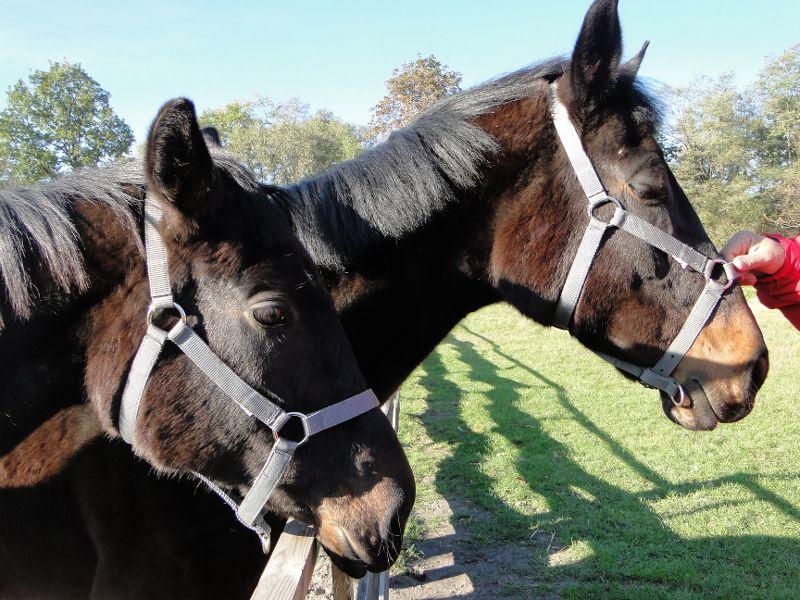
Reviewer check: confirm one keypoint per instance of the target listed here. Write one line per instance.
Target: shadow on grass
(622, 546)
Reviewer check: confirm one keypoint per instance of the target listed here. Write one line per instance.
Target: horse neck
(399, 297)
(395, 313)
(43, 358)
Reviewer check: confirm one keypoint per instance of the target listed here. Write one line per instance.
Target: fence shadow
(627, 542)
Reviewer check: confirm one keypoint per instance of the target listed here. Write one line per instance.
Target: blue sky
(337, 55)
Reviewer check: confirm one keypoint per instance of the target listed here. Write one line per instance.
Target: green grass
(548, 448)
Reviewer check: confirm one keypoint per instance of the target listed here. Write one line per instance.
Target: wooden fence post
(290, 566)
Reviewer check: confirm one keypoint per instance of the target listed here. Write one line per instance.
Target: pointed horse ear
(597, 53)
(632, 66)
(178, 165)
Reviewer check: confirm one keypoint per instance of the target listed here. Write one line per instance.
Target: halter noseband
(659, 375)
(251, 402)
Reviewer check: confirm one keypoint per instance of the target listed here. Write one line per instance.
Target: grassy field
(573, 476)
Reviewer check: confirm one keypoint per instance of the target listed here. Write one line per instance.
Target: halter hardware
(711, 268)
(731, 273)
(251, 508)
(285, 418)
(153, 311)
(601, 200)
(681, 398)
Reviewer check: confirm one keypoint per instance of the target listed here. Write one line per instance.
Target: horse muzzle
(360, 538)
(714, 401)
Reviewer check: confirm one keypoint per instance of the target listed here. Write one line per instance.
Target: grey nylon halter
(251, 402)
(659, 375)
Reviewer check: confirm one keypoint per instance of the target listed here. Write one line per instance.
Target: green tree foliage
(778, 93)
(411, 88)
(712, 142)
(735, 152)
(60, 119)
(283, 142)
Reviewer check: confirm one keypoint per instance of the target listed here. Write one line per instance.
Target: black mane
(393, 188)
(397, 186)
(37, 232)
(384, 193)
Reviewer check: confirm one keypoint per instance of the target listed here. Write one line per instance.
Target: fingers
(755, 260)
(753, 253)
(740, 244)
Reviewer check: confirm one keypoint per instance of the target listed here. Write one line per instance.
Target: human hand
(753, 255)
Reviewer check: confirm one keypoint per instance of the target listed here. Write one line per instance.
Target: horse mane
(38, 233)
(395, 187)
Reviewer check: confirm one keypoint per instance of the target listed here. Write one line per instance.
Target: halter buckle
(285, 418)
(153, 311)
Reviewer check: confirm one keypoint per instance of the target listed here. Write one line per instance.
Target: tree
(711, 142)
(61, 119)
(411, 88)
(736, 152)
(283, 142)
(788, 213)
(777, 90)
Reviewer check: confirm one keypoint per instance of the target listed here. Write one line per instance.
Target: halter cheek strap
(659, 375)
(250, 510)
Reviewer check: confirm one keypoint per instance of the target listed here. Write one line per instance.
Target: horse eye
(270, 314)
(645, 191)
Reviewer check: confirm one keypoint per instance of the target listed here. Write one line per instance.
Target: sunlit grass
(547, 442)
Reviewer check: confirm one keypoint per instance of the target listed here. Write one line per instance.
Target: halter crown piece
(251, 402)
(659, 375)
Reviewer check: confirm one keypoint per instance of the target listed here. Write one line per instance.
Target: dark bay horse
(73, 308)
(475, 203)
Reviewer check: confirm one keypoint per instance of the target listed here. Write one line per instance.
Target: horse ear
(597, 52)
(632, 66)
(178, 165)
(211, 135)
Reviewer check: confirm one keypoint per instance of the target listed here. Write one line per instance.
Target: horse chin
(700, 415)
(355, 569)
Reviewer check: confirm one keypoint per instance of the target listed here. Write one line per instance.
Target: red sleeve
(782, 290)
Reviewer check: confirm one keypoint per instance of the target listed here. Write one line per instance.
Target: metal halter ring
(731, 272)
(597, 201)
(681, 397)
(600, 200)
(153, 310)
(283, 419)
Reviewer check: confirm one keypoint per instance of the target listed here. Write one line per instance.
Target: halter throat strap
(711, 268)
(251, 508)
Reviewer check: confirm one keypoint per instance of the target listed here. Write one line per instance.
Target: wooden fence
(289, 569)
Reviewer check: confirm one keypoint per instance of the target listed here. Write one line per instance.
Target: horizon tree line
(735, 151)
